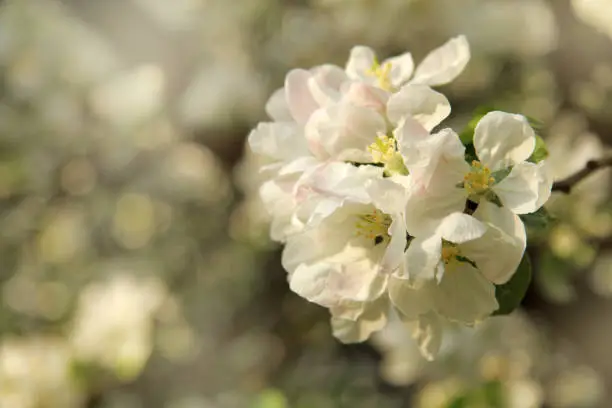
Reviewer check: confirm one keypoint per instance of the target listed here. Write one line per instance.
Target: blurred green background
(135, 265)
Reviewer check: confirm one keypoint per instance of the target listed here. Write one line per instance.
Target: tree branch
(565, 186)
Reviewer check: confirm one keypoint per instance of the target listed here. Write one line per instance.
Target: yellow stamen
(450, 252)
(478, 180)
(374, 226)
(382, 73)
(383, 149)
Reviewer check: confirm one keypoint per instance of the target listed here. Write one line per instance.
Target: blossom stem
(565, 186)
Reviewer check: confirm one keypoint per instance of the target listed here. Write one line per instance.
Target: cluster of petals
(378, 214)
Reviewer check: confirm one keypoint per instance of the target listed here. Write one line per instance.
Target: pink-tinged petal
(408, 133)
(277, 108)
(320, 190)
(278, 141)
(503, 140)
(367, 96)
(325, 84)
(420, 102)
(443, 64)
(299, 97)
(343, 132)
(505, 238)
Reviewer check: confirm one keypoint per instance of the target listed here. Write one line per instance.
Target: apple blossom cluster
(380, 214)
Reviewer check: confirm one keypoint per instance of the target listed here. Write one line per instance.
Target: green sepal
(470, 153)
(538, 220)
(540, 152)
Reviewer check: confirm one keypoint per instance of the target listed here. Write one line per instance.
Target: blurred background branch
(566, 185)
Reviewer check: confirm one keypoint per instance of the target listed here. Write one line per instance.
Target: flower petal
(525, 189)
(459, 228)
(325, 83)
(426, 154)
(278, 200)
(422, 257)
(410, 301)
(322, 189)
(545, 182)
(505, 238)
(425, 105)
(277, 108)
(464, 294)
(367, 96)
(402, 67)
(389, 194)
(279, 141)
(372, 319)
(312, 283)
(503, 140)
(361, 59)
(426, 208)
(343, 132)
(329, 284)
(408, 133)
(443, 64)
(299, 97)
(394, 252)
(306, 248)
(434, 196)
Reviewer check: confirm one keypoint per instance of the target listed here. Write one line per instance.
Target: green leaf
(539, 220)
(540, 152)
(510, 294)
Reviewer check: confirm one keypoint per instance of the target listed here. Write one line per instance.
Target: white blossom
(376, 212)
(443, 181)
(439, 67)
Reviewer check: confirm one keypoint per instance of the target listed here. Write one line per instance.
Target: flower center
(383, 151)
(450, 252)
(478, 180)
(374, 226)
(382, 73)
